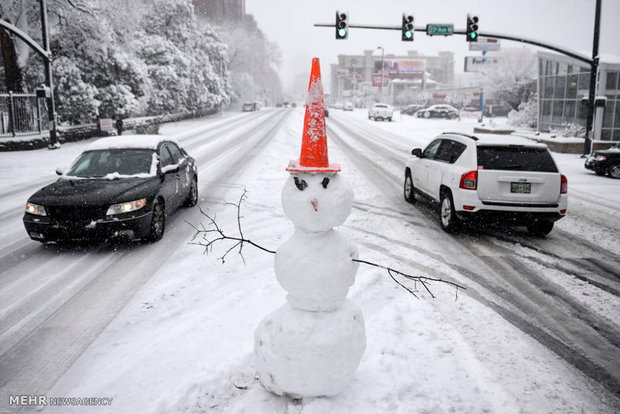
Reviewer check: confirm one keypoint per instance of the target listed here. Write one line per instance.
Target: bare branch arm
(201, 238)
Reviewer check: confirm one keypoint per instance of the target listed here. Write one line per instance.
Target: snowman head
(318, 201)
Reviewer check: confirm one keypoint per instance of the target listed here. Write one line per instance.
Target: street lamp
(382, 68)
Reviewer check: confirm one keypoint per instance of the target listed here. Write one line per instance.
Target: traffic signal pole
(533, 42)
(587, 143)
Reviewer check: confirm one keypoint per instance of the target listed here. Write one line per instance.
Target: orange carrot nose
(315, 204)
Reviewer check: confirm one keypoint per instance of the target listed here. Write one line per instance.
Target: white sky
(565, 23)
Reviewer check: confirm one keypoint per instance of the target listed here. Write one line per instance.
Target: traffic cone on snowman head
(313, 157)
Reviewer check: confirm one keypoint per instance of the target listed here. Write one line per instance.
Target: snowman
(313, 344)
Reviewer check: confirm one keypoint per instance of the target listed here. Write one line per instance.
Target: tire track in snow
(596, 364)
(36, 361)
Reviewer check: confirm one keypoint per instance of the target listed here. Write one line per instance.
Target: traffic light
(407, 28)
(342, 25)
(472, 28)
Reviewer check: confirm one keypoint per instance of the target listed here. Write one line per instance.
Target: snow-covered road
(162, 328)
(56, 300)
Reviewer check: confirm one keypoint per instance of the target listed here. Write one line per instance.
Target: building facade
(564, 82)
(358, 77)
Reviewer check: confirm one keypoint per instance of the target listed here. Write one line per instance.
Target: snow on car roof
(130, 141)
(495, 139)
(503, 139)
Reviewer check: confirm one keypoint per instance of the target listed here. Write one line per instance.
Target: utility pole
(51, 107)
(382, 69)
(587, 143)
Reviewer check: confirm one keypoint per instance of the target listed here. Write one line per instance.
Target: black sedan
(438, 111)
(122, 186)
(605, 162)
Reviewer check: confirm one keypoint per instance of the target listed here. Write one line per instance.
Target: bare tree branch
(203, 237)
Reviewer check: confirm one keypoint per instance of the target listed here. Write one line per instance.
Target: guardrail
(36, 138)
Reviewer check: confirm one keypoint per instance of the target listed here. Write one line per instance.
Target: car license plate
(522, 188)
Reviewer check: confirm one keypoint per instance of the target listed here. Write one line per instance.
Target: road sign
(485, 44)
(376, 79)
(479, 63)
(439, 29)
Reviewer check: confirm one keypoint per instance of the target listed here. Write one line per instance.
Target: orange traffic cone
(313, 158)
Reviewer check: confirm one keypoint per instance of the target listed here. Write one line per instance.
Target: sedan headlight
(127, 207)
(35, 209)
(600, 158)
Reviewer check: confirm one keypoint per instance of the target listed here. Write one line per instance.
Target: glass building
(564, 81)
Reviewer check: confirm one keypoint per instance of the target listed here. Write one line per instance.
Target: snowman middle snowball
(315, 265)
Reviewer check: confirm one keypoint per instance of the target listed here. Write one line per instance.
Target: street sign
(376, 79)
(439, 29)
(485, 44)
(479, 63)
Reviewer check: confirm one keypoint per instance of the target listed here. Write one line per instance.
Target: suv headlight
(35, 209)
(126, 207)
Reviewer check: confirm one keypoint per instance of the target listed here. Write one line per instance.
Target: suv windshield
(99, 163)
(380, 106)
(515, 158)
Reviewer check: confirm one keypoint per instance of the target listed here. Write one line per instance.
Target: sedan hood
(611, 151)
(95, 192)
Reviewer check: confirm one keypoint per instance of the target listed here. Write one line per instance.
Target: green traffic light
(342, 32)
(409, 34)
(473, 35)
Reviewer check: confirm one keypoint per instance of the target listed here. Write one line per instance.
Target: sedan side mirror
(417, 152)
(60, 170)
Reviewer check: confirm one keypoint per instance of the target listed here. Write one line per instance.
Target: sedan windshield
(113, 163)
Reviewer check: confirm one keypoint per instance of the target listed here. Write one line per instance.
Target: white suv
(380, 111)
(495, 177)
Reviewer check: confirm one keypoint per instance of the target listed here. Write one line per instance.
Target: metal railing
(21, 113)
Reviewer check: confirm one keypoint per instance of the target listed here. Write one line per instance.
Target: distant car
(380, 111)
(605, 161)
(496, 110)
(348, 106)
(279, 105)
(123, 187)
(286, 104)
(438, 111)
(411, 109)
(294, 105)
(338, 105)
(249, 107)
(488, 177)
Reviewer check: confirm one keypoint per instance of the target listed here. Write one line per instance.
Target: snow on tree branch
(209, 235)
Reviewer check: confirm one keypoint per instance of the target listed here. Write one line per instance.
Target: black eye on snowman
(300, 184)
(325, 182)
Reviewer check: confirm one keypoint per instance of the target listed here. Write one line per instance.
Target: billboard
(376, 79)
(479, 63)
(401, 68)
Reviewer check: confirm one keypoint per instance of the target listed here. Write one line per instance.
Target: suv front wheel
(447, 215)
(408, 189)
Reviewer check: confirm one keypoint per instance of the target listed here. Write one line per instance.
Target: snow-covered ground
(183, 342)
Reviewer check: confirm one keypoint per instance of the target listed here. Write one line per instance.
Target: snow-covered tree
(253, 57)
(512, 80)
(526, 115)
(76, 98)
(117, 101)
(458, 99)
(132, 57)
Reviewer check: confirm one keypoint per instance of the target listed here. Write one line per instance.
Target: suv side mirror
(417, 152)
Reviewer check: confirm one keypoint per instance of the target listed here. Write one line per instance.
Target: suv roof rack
(462, 134)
